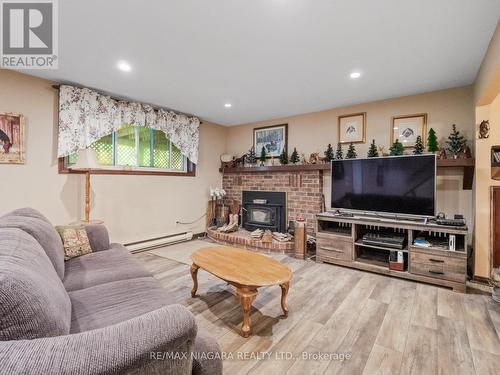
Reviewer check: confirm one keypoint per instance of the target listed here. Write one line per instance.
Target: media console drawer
(443, 267)
(440, 272)
(334, 248)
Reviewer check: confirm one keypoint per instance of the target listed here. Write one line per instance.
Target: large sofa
(100, 313)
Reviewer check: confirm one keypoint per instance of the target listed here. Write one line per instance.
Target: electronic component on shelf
(451, 222)
(384, 240)
(452, 242)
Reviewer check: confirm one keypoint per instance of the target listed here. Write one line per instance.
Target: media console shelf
(340, 241)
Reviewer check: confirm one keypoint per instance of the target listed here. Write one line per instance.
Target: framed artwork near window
(12, 146)
(407, 128)
(352, 128)
(273, 138)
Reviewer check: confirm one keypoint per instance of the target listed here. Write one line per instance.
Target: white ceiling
(271, 58)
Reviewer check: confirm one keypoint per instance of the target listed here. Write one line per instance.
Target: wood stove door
(261, 215)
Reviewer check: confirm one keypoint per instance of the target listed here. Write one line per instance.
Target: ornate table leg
(284, 292)
(246, 297)
(194, 275)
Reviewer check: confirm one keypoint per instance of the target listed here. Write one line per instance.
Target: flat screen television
(404, 185)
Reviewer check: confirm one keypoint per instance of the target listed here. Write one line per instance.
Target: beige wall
(487, 81)
(313, 131)
(133, 207)
(487, 100)
(483, 184)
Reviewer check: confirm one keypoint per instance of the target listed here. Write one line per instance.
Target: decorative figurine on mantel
(351, 152)
(456, 142)
(484, 129)
(251, 158)
(466, 153)
(372, 151)
(441, 154)
(339, 154)
(294, 158)
(328, 153)
(382, 151)
(419, 147)
(263, 156)
(284, 157)
(397, 148)
(432, 144)
(314, 158)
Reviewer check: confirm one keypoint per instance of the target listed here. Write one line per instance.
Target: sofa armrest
(146, 344)
(207, 358)
(98, 237)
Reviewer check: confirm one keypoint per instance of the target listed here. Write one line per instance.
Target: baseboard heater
(153, 243)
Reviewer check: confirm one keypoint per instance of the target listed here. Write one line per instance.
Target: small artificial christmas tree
(432, 144)
(396, 148)
(283, 157)
(456, 142)
(351, 152)
(251, 158)
(339, 154)
(329, 153)
(294, 158)
(263, 156)
(419, 147)
(372, 151)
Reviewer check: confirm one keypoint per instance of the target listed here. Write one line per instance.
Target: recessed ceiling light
(124, 66)
(228, 105)
(355, 75)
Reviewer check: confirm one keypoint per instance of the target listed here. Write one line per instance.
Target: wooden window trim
(191, 171)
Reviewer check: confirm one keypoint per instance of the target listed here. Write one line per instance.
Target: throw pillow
(75, 240)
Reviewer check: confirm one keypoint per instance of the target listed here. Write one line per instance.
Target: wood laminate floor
(386, 325)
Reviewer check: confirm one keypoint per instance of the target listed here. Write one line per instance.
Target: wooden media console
(340, 241)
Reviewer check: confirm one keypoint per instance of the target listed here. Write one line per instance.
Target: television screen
(398, 184)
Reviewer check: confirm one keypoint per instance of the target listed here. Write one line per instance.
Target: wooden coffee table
(245, 270)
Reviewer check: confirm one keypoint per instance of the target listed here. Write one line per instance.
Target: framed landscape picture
(11, 138)
(272, 138)
(352, 128)
(408, 128)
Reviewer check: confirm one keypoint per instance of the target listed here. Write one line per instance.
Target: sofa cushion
(33, 301)
(106, 304)
(29, 212)
(102, 267)
(98, 237)
(36, 225)
(75, 240)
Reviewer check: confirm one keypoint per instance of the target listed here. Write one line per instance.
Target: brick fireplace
(303, 188)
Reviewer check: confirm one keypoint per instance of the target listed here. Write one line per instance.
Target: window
(139, 148)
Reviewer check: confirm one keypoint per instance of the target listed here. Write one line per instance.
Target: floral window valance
(86, 116)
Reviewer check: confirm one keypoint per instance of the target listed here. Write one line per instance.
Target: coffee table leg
(246, 297)
(284, 292)
(194, 275)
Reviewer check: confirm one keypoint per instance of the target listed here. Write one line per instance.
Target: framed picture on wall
(352, 128)
(407, 128)
(273, 138)
(11, 138)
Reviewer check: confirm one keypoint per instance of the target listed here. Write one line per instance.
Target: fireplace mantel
(278, 168)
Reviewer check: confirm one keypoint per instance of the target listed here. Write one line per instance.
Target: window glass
(125, 146)
(137, 147)
(104, 150)
(144, 153)
(161, 150)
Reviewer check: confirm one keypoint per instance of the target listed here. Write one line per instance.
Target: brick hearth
(304, 190)
(242, 238)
